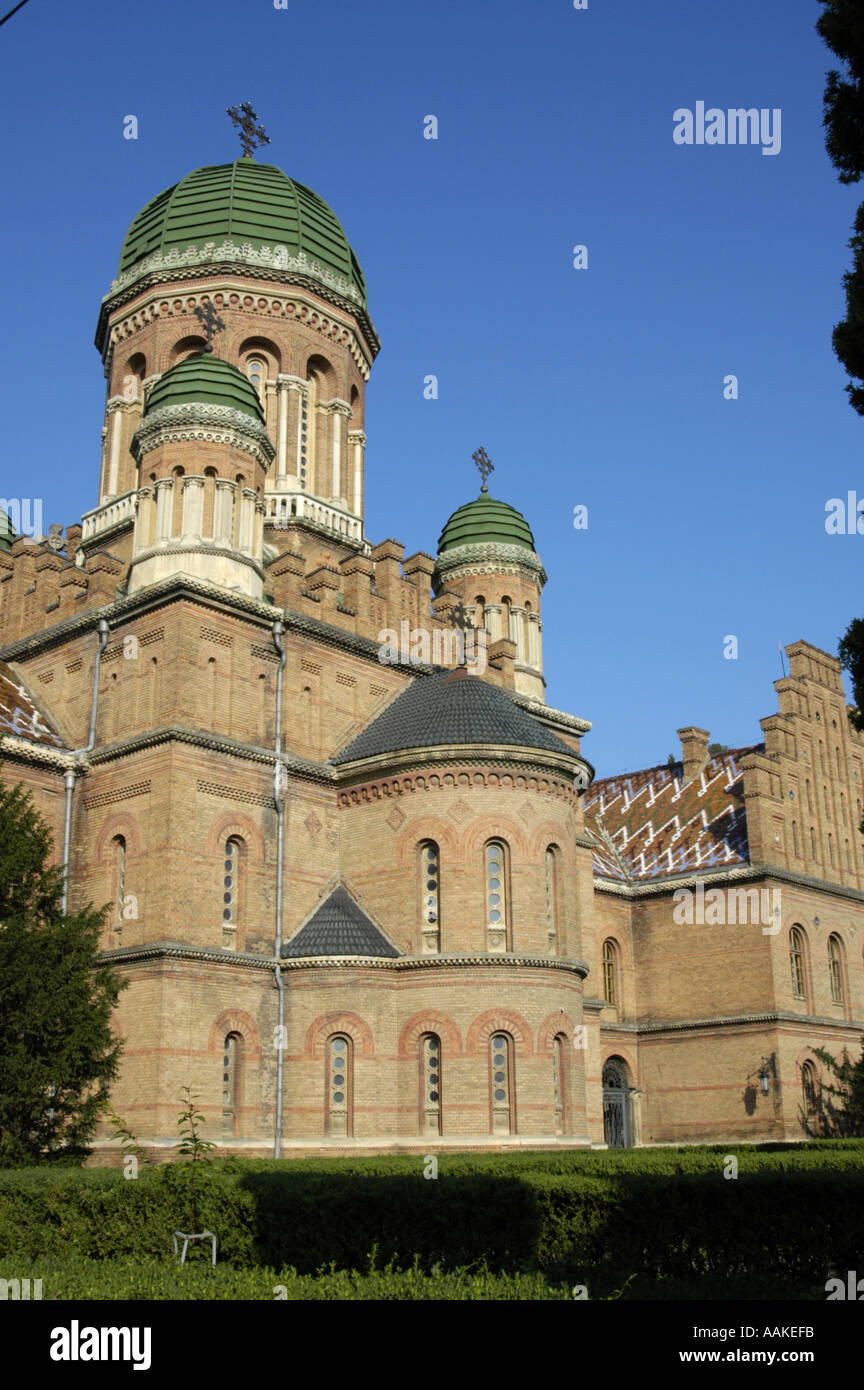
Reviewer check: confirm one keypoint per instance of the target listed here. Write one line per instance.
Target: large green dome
(205, 380)
(250, 204)
(485, 519)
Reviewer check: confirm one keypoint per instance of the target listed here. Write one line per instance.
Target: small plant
(191, 1143)
(128, 1141)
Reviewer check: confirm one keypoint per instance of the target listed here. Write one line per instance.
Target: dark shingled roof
(452, 707)
(339, 927)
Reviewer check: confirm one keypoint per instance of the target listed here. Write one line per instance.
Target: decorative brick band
(454, 779)
(124, 794)
(210, 634)
(235, 794)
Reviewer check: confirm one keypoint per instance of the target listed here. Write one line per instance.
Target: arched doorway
(617, 1119)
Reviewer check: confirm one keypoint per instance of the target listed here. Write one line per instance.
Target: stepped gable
(339, 927)
(21, 716)
(451, 708)
(651, 826)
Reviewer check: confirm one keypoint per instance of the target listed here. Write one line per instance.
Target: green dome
(205, 380)
(244, 202)
(485, 519)
(7, 534)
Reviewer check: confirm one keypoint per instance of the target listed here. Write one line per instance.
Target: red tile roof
(651, 826)
(20, 715)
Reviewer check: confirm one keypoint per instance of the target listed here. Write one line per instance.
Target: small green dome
(7, 534)
(485, 519)
(205, 379)
(244, 202)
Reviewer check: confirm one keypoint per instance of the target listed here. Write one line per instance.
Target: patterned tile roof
(339, 927)
(20, 715)
(451, 708)
(650, 825)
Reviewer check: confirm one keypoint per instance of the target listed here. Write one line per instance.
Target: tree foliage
(840, 1112)
(841, 25)
(58, 1053)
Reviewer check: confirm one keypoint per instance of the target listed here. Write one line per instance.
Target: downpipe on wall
(71, 774)
(278, 633)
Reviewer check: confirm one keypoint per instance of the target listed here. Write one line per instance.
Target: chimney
(694, 750)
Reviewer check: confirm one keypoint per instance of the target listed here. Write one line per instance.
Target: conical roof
(451, 708)
(339, 927)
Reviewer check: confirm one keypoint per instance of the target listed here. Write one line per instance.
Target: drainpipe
(71, 774)
(278, 632)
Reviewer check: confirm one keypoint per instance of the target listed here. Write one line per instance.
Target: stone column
(533, 640)
(246, 529)
(164, 509)
(144, 514)
(223, 513)
(339, 410)
(493, 622)
(282, 428)
(115, 432)
(357, 443)
(258, 538)
(193, 507)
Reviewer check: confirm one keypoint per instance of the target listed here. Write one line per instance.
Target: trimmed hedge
(660, 1218)
(77, 1279)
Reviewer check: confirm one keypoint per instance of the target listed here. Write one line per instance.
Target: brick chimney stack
(694, 750)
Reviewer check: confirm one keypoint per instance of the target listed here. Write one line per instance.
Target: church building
(366, 888)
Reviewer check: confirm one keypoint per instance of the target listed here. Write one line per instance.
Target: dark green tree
(840, 1105)
(58, 1053)
(842, 27)
(851, 654)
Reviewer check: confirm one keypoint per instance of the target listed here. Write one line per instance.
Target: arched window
(231, 1064)
(497, 907)
(835, 969)
(231, 891)
(430, 1083)
(808, 1088)
(610, 972)
(797, 964)
(340, 1087)
(119, 844)
(256, 370)
(559, 1082)
(553, 888)
(501, 1083)
(430, 896)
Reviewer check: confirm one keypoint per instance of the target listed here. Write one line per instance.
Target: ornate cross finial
(209, 321)
(484, 464)
(251, 133)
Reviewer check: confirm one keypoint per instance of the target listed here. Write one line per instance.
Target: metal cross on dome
(485, 465)
(209, 321)
(251, 133)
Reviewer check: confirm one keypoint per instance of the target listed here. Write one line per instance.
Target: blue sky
(601, 387)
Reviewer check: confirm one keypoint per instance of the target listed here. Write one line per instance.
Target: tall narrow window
(552, 893)
(231, 1085)
(496, 895)
(119, 878)
(230, 892)
(500, 1083)
(430, 897)
(559, 1081)
(339, 1087)
(796, 963)
(610, 972)
(835, 969)
(430, 1083)
(808, 1088)
(257, 372)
